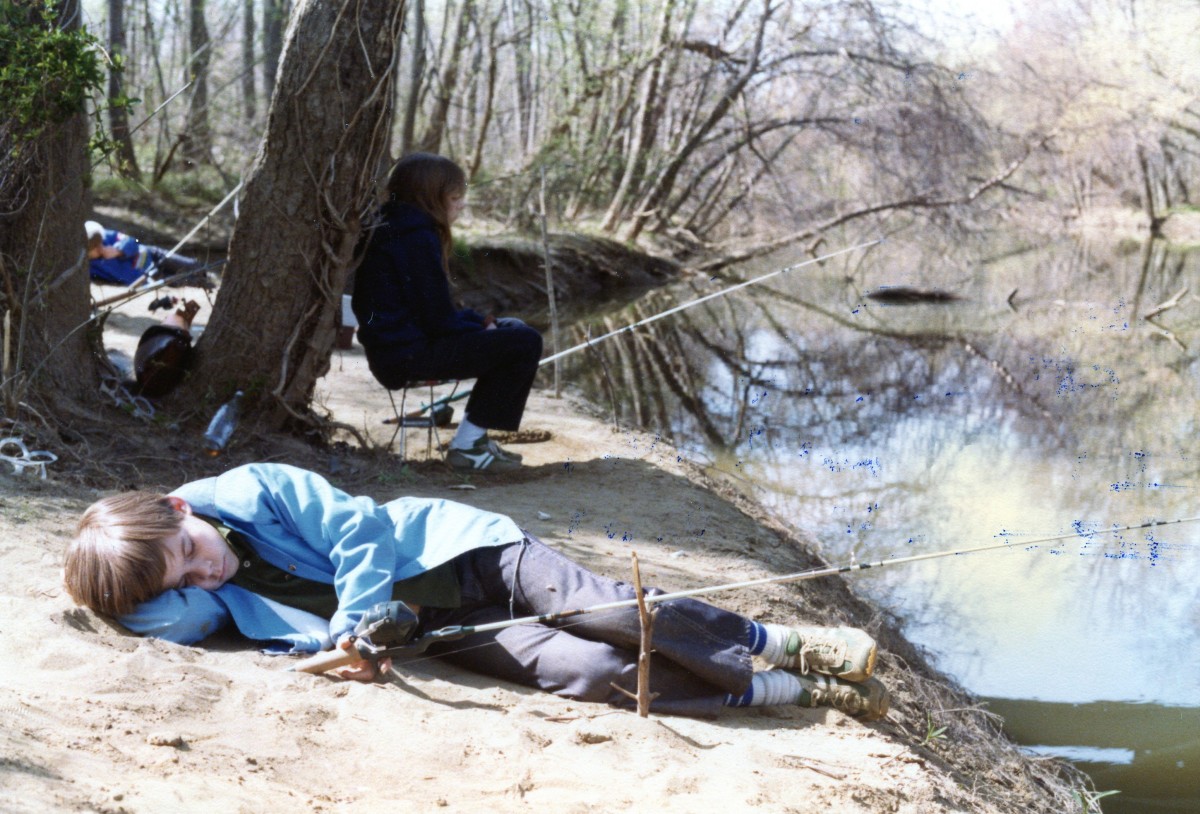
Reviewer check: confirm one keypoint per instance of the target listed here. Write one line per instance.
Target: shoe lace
(821, 652)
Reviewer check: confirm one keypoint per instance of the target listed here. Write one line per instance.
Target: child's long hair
(427, 181)
(117, 560)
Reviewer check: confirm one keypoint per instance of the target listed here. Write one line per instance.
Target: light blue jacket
(297, 521)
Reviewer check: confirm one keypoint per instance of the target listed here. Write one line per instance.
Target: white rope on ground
(14, 451)
(137, 406)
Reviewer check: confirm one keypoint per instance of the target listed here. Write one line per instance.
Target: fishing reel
(385, 626)
(386, 630)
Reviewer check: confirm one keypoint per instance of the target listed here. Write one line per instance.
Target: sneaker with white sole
(480, 457)
(501, 452)
(867, 700)
(847, 653)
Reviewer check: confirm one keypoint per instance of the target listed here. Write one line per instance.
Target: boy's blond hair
(117, 559)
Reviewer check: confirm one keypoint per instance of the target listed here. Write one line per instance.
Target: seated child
(412, 331)
(286, 557)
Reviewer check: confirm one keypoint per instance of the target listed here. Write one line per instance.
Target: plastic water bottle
(222, 425)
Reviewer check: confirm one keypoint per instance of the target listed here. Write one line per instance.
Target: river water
(1040, 402)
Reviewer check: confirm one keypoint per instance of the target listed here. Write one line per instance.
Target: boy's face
(197, 555)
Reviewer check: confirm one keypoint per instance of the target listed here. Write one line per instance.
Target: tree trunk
(435, 131)
(645, 123)
(522, 100)
(489, 101)
(43, 270)
(197, 145)
(311, 185)
(415, 78)
(118, 113)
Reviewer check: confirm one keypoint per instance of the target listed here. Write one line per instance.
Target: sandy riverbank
(92, 719)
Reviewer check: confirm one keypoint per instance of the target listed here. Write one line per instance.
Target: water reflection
(1042, 403)
(1120, 745)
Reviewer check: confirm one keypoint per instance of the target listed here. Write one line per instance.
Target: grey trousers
(700, 651)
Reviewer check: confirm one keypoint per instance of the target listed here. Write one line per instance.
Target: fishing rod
(676, 309)
(132, 294)
(386, 631)
(706, 298)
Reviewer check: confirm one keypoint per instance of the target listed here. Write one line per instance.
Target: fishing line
(814, 573)
(328, 660)
(676, 309)
(707, 297)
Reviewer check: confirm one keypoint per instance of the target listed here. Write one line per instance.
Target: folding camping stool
(402, 420)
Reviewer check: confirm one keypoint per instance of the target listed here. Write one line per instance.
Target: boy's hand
(361, 670)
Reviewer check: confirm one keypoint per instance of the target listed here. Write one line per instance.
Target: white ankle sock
(769, 689)
(774, 651)
(467, 434)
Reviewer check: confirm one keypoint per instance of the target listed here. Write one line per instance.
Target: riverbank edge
(948, 733)
(972, 751)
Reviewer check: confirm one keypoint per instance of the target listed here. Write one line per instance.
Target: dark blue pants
(700, 651)
(503, 361)
(169, 266)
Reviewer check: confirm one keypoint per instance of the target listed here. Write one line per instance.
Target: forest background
(704, 133)
(708, 132)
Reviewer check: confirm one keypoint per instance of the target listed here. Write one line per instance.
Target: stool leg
(400, 418)
(433, 425)
(429, 432)
(399, 421)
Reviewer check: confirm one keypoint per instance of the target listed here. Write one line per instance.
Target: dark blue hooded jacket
(401, 294)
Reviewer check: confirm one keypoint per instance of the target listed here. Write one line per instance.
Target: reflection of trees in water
(723, 373)
(1070, 366)
(1067, 399)
(764, 378)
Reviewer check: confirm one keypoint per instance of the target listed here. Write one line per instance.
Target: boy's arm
(181, 616)
(189, 615)
(355, 535)
(127, 245)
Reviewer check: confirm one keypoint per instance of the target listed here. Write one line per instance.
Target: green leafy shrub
(47, 74)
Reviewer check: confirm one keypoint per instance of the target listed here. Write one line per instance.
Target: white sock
(467, 434)
(770, 688)
(774, 651)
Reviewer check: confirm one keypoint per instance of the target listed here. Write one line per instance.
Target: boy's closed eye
(198, 557)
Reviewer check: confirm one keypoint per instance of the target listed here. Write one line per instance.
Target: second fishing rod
(670, 311)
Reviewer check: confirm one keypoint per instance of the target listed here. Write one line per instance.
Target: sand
(93, 719)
